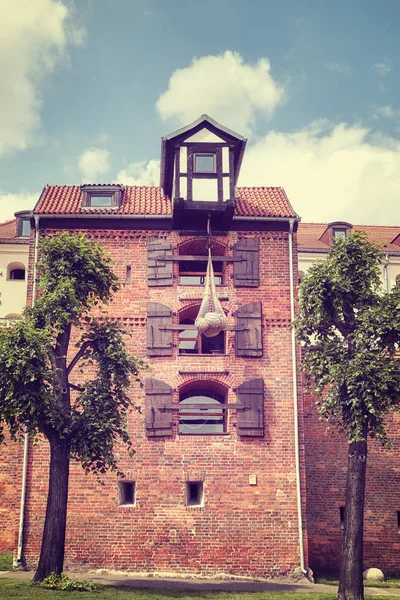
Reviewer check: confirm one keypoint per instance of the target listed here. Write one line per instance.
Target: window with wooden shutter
(159, 339)
(158, 420)
(249, 334)
(246, 270)
(159, 270)
(250, 419)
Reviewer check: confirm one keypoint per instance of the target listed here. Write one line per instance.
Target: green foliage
(64, 583)
(85, 400)
(351, 331)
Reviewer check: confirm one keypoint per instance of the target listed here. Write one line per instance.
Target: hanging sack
(211, 319)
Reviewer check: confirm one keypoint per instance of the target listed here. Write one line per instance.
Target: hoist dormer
(200, 167)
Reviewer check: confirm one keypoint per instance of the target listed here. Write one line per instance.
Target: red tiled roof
(309, 235)
(140, 200)
(8, 230)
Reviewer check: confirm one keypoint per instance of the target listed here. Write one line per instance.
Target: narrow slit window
(341, 512)
(194, 493)
(128, 275)
(398, 521)
(126, 493)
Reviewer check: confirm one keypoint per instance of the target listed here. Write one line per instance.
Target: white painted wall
(205, 190)
(306, 259)
(13, 292)
(204, 136)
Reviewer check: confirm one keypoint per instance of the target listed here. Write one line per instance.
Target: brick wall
(10, 493)
(326, 464)
(242, 528)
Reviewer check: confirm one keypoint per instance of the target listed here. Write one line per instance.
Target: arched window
(16, 271)
(200, 410)
(192, 342)
(192, 270)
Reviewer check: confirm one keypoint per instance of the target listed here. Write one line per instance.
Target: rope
(211, 319)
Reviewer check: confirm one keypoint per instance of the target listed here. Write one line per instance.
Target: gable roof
(8, 230)
(148, 201)
(309, 234)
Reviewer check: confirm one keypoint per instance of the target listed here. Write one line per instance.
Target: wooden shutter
(159, 272)
(250, 419)
(246, 271)
(249, 336)
(158, 421)
(159, 342)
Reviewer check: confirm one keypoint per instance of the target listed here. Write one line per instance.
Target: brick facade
(242, 528)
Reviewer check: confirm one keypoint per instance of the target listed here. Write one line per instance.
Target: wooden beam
(188, 327)
(180, 407)
(202, 257)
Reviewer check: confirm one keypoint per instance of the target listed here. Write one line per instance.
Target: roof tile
(309, 235)
(148, 200)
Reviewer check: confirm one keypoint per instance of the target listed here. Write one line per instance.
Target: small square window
(100, 201)
(204, 163)
(339, 234)
(126, 493)
(194, 493)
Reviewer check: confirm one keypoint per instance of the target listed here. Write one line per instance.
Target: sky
(88, 88)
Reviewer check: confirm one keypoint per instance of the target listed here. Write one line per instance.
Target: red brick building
(229, 476)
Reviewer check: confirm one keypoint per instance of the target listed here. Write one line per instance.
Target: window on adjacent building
(206, 417)
(97, 196)
(25, 228)
(194, 493)
(339, 234)
(398, 280)
(126, 493)
(193, 342)
(204, 163)
(16, 271)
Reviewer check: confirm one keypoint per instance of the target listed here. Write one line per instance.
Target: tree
(80, 405)
(351, 331)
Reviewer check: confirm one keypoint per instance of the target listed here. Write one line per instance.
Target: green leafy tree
(351, 331)
(80, 404)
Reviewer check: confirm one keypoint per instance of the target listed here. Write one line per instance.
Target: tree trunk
(52, 551)
(351, 563)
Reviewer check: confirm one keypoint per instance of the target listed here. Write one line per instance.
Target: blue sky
(89, 87)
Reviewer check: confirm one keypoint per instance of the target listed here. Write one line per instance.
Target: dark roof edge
(201, 119)
(290, 204)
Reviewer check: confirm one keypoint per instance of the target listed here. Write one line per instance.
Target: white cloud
(225, 87)
(140, 173)
(337, 67)
(33, 36)
(11, 203)
(94, 163)
(382, 68)
(336, 173)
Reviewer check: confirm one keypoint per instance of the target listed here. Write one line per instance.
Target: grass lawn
(15, 588)
(6, 560)
(390, 583)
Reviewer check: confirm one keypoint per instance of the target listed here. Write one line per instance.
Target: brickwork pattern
(242, 528)
(326, 467)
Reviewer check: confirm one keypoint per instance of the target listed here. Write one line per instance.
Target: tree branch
(78, 355)
(76, 387)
